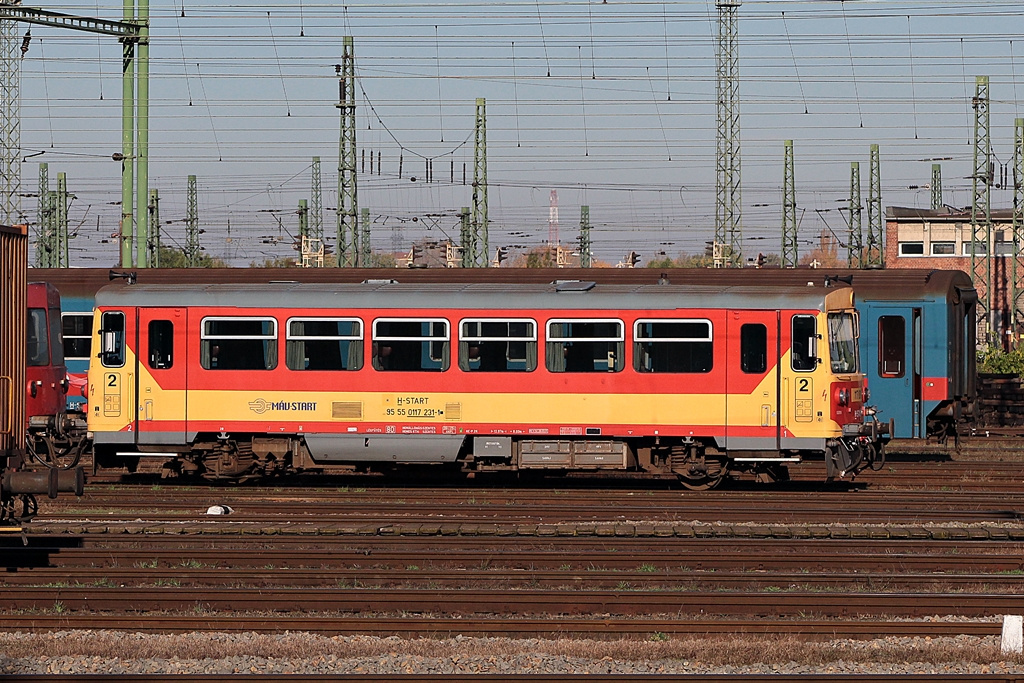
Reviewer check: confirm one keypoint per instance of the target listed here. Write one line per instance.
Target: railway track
(578, 562)
(381, 505)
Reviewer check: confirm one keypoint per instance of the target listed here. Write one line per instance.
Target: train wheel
(697, 470)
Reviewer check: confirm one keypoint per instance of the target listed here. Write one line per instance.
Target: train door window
(112, 354)
(673, 346)
(324, 344)
(842, 342)
(892, 345)
(585, 346)
(161, 344)
(238, 344)
(77, 335)
(411, 344)
(754, 348)
(38, 338)
(804, 339)
(498, 345)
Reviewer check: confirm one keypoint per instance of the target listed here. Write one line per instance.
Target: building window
(238, 344)
(585, 346)
(1003, 248)
(980, 248)
(943, 248)
(672, 346)
(498, 345)
(911, 248)
(411, 345)
(324, 344)
(77, 335)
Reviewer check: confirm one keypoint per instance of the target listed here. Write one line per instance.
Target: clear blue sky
(611, 104)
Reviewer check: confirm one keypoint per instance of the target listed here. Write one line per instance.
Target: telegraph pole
(153, 244)
(365, 252)
(585, 257)
(192, 223)
(43, 211)
(728, 207)
(855, 243)
(875, 255)
(981, 214)
(348, 209)
(316, 208)
(479, 224)
(1017, 277)
(60, 243)
(466, 238)
(936, 187)
(790, 250)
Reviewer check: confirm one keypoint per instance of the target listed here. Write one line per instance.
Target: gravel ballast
(109, 652)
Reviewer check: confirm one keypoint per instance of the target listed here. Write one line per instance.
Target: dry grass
(710, 651)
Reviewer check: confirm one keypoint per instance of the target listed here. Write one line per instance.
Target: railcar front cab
(862, 443)
(54, 435)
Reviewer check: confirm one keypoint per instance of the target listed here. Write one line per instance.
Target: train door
(161, 364)
(893, 365)
(752, 380)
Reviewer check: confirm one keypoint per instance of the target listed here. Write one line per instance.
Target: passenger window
(238, 344)
(112, 332)
(804, 340)
(38, 338)
(892, 337)
(77, 335)
(673, 346)
(585, 346)
(754, 348)
(161, 344)
(324, 344)
(498, 346)
(411, 345)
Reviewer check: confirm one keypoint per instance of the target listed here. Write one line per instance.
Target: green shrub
(995, 360)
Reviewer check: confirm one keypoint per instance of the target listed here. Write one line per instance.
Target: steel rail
(514, 602)
(415, 576)
(499, 625)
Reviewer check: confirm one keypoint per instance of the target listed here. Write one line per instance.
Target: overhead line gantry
(131, 31)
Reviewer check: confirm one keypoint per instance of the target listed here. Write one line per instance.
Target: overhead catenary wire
(277, 56)
(668, 152)
(543, 40)
(440, 98)
(796, 69)
(913, 89)
(668, 76)
(853, 68)
(206, 99)
(515, 93)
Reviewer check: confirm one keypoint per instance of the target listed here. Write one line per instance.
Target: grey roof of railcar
(465, 296)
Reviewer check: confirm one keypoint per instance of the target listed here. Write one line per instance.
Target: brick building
(929, 238)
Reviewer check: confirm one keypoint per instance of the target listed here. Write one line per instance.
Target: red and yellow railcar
(241, 381)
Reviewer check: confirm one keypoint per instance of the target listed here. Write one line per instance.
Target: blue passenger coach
(918, 348)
